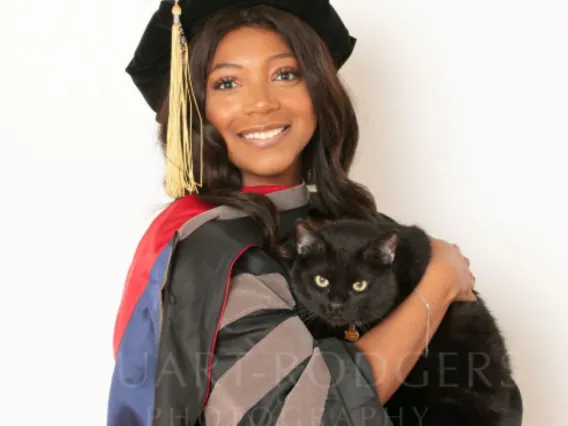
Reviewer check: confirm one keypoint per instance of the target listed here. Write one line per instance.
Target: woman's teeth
(263, 135)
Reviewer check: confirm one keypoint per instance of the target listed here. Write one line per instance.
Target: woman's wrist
(437, 284)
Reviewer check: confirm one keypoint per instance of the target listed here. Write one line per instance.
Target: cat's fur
(465, 380)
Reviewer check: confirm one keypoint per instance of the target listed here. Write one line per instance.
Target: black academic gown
(233, 351)
(226, 346)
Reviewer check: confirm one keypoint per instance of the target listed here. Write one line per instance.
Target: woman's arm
(394, 346)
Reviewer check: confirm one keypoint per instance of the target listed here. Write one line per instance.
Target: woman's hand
(451, 269)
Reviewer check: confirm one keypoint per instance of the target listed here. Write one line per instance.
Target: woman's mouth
(265, 136)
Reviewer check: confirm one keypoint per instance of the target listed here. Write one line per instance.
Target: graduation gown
(207, 332)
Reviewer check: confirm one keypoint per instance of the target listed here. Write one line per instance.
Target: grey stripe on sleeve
(257, 372)
(306, 402)
(251, 293)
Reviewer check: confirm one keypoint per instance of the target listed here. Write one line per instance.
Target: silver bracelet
(428, 321)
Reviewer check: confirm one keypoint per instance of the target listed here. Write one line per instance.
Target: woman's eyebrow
(238, 66)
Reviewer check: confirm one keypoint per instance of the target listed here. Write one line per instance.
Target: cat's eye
(321, 281)
(360, 286)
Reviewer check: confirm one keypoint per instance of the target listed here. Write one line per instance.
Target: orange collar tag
(352, 334)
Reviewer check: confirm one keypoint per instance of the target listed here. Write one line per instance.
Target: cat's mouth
(337, 321)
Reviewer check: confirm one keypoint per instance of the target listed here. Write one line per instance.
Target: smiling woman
(259, 102)
(257, 69)
(207, 332)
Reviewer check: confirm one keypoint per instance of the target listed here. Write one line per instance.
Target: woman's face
(260, 104)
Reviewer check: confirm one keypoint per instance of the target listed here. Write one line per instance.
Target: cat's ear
(382, 249)
(307, 239)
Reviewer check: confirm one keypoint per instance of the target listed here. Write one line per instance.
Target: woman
(206, 331)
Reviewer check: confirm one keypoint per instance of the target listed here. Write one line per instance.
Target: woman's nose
(261, 100)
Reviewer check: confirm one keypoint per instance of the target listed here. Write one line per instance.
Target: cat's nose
(336, 306)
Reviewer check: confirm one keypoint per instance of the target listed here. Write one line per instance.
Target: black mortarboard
(162, 58)
(150, 66)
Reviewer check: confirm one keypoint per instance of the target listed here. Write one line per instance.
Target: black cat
(354, 273)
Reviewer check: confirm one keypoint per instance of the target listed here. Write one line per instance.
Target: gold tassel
(180, 177)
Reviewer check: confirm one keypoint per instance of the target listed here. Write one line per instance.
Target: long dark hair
(327, 158)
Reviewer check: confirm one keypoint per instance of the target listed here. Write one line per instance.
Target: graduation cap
(162, 58)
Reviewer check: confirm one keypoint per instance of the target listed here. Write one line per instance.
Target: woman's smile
(265, 136)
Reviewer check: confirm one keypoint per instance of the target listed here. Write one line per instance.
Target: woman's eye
(225, 84)
(287, 75)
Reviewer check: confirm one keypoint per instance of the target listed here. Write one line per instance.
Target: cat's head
(343, 274)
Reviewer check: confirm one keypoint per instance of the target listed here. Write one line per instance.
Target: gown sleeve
(269, 370)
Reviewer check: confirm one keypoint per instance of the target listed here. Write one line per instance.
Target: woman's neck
(290, 177)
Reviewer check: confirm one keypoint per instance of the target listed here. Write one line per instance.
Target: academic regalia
(207, 331)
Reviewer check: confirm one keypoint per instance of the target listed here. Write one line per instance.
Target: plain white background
(463, 109)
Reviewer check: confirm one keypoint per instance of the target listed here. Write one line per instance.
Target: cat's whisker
(363, 326)
(306, 315)
(303, 310)
(310, 317)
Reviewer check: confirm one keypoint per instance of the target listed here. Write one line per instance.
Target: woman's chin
(269, 171)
